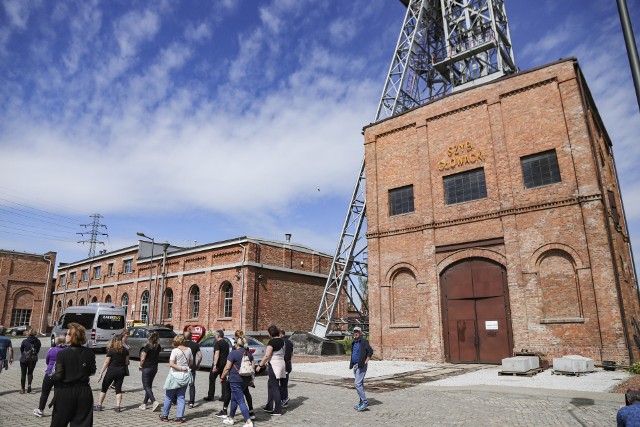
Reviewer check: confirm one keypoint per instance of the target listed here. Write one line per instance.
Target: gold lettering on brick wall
(459, 155)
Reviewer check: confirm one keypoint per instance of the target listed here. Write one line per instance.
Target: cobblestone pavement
(316, 401)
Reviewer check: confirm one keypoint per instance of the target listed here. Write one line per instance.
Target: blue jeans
(237, 399)
(359, 381)
(168, 397)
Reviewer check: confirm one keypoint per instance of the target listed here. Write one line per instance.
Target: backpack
(31, 355)
(246, 369)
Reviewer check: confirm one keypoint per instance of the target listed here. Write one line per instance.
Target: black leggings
(113, 375)
(26, 372)
(47, 384)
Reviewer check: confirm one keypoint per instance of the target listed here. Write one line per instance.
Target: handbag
(126, 370)
(246, 368)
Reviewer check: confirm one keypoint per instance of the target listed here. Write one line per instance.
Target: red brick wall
(23, 285)
(276, 288)
(571, 288)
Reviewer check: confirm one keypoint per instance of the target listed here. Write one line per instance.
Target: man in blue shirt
(361, 352)
(5, 347)
(629, 415)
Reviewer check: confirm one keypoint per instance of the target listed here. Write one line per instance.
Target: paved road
(318, 402)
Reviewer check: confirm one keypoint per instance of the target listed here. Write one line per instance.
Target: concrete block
(520, 363)
(573, 364)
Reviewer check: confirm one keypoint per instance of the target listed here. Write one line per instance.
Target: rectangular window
(85, 275)
(110, 269)
(614, 208)
(62, 279)
(540, 169)
(128, 266)
(73, 277)
(465, 186)
(97, 272)
(401, 200)
(20, 317)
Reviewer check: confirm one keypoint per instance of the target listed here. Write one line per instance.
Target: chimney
(288, 237)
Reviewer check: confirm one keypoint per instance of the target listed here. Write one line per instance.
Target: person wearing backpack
(239, 372)
(29, 350)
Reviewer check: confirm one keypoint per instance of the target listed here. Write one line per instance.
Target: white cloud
(134, 29)
(18, 12)
(198, 32)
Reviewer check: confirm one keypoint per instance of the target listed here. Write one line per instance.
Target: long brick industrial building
(495, 225)
(244, 283)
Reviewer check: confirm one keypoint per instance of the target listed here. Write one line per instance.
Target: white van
(101, 320)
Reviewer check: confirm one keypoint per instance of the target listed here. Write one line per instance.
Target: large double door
(477, 324)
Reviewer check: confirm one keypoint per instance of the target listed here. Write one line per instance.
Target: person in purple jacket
(47, 384)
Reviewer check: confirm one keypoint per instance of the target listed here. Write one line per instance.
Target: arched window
(94, 299)
(124, 302)
(107, 299)
(81, 302)
(227, 300)
(168, 300)
(70, 303)
(194, 301)
(58, 311)
(144, 306)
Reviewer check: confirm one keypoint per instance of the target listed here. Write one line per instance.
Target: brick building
(495, 225)
(245, 283)
(26, 284)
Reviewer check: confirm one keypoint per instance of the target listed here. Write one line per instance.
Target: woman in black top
(274, 359)
(115, 364)
(149, 368)
(28, 363)
(73, 400)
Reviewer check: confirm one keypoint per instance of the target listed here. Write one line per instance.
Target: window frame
(469, 178)
(405, 203)
(97, 272)
(227, 300)
(194, 302)
(84, 275)
(550, 158)
(127, 266)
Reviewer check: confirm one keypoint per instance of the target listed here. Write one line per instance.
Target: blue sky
(208, 120)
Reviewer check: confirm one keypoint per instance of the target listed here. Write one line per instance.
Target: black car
(16, 330)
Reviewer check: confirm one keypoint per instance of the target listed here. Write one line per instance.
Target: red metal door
(475, 311)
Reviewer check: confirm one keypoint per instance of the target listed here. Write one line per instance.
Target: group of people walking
(70, 364)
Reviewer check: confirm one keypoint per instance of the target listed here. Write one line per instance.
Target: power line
(28, 231)
(37, 237)
(56, 206)
(10, 210)
(33, 226)
(65, 219)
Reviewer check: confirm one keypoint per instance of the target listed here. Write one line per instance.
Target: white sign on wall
(491, 325)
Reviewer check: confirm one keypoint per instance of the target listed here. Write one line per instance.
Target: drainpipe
(46, 289)
(244, 253)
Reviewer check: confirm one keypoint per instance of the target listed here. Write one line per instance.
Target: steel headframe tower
(444, 46)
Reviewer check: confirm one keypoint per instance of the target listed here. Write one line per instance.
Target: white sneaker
(248, 425)
(37, 412)
(228, 421)
(143, 406)
(155, 406)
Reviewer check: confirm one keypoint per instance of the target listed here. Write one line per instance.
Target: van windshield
(85, 319)
(110, 321)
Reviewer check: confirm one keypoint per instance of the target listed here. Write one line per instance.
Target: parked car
(138, 338)
(101, 320)
(16, 330)
(206, 346)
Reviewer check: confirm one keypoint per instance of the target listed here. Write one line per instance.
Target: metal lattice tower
(94, 233)
(444, 46)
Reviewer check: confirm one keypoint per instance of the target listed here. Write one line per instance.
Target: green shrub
(634, 369)
(346, 344)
